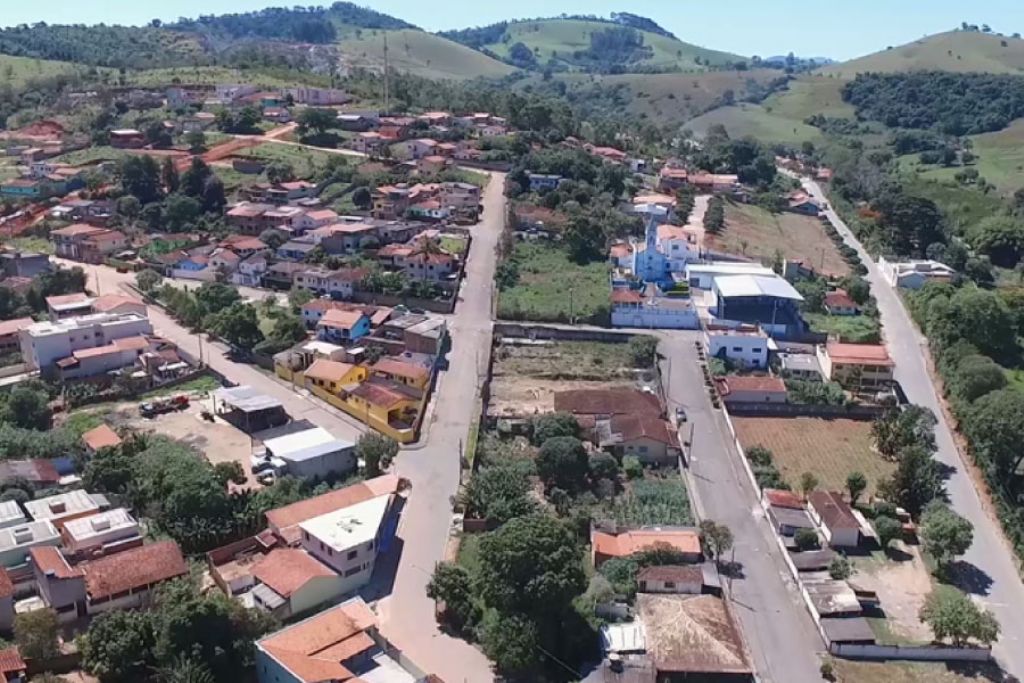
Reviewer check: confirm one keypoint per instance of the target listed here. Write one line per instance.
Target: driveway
(999, 585)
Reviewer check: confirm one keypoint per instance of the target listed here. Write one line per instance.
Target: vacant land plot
(553, 288)
(304, 161)
(421, 53)
(849, 671)
(652, 500)
(856, 329)
(526, 377)
(902, 588)
(830, 449)
(755, 232)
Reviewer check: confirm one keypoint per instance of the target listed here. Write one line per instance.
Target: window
(353, 571)
(642, 449)
(322, 546)
(670, 584)
(737, 349)
(352, 554)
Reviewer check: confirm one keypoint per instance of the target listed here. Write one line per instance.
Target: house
(607, 402)
(460, 196)
(346, 237)
(31, 188)
(100, 437)
(428, 210)
(284, 521)
(432, 164)
(120, 353)
(714, 182)
(650, 439)
(389, 407)
(540, 182)
(787, 520)
(282, 275)
(248, 217)
(23, 263)
(390, 201)
(105, 530)
(333, 376)
(752, 389)
(81, 242)
(338, 284)
(295, 250)
(800, 366)
(630, 308)
(606, 545)
(16, 541)
(64, 507)
(313, 311)
(68, 306)
(318, 97)
(343, 326)
(119, 304)
(425, 264)
(289, 582)
(38, 472)
(312, 453)
(348, 540)
(369, 142)
(127, 138)
(747, 346)
(835, 517)
(355, 122)
(250, 271)
(340, 644)
(402, 372)
(671, 578)
(857, 366)
(609, 154)
(914, 274)
(417, 149)
(693, 637)
(290, 364)
(802, 203)
(838, 302)
(277, 114)
(671, 179)
(123, 580)
(43, 344)
(312, 219)
(9, 330)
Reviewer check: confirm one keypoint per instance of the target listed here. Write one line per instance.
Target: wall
(539, 331)
(401, 436)
(394, 300)
(855, 412)
(921, 653)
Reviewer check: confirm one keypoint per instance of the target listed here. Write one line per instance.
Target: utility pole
(387, 77)
(570, 306)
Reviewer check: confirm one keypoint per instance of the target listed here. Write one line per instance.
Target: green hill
(960, 51)
(419, 53)
(569, 44)
(17, 71)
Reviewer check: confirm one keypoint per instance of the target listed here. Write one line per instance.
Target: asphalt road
(778, 629)
(991, 574)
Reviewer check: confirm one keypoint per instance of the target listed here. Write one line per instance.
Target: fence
(925, 653)
(853, 412)
(432, 305)
(540, 331)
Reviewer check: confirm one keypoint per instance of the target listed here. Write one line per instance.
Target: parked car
(680, 415)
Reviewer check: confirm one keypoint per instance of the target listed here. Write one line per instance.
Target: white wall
(748, 351)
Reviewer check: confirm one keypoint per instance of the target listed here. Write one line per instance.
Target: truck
(159, 406)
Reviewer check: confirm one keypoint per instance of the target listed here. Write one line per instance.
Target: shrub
(632, 466)
(806, 539)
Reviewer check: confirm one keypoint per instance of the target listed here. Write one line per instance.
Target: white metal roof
(70, 503)
(101, 524)
(10, 513)
(351, 526)
(305, 445)
(627, 637)
(728, 268)
(246, 399)
(756, 285)
(32, 533)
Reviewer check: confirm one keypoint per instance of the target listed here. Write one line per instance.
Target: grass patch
(856, 329)
(81, 421)
(830, 449)
(453, 244)
(753, 119)
(546, 274)
(469, 552)
(204, 383)
(305, 161)
(91, 155)
(653, 500)
(851, 671)
(575, 360)
(37, 244)
(423, 54)
(963, 205)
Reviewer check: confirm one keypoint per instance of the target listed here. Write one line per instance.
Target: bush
(643, 351)
(553, 425)
(633, 468)
(806, 539)
(604, 466)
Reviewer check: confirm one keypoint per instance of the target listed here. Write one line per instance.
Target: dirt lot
(902, 586)
(848, 671)
(754, 232)
(525, 377)
(831, 449)
(219, 441)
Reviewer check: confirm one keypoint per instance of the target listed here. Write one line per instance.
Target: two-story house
(251, 271)
(343, 327)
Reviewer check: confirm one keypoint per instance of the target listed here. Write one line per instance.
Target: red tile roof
(629, 542)
(49, 561)
(341, 318)
(783, 499)
(135, 568)
(11, 661)
(679, 573)
(835, 512)
(382, 395)
(839, 299)
(626, 296)
(313, 649)
(109, 302)
(286, 570)
(6, 586)
(861, 354)
(391, 366)
(633, 427)
(8, 327)
(290, 516)
(101, 437)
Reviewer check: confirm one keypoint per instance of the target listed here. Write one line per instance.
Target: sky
(833, 28)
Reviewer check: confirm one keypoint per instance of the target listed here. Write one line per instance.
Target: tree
(297, 298)
(944, 533)
(856, 483)
(633, 468)
(318, 121)
(976, 375)
(717, 538)
(953, 616)
(910, 223)
(512, 643)
(148, 280)
(280, 172)
(185, 670)
(36, 634)
(117, 648)
(806, 539)
(196, 141)
(643, 351)
(1001, 238)
(109, 471)
(180, 212)
(361, 197)
(169, 175)
(452, 585)
(840, 568)
(584, 239)
(549, 425)
(238, 325)
(562, 462)
(916, 482)
(158, 136)
(498, 493)
(273, 238)
(216, 296)
(140, 177)
(229, 471)
(604, 466)
(28, 408)
(532, 565)
(994, 424)
(376, 451)
(888, 530)
(195, 177)
(808, 482)
(900, 428)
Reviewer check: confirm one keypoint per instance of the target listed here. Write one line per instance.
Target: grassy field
(553, 38)
(807, 95)
(753, 119)
(39, 245)
(951, 51)
(856, 329)
(304, 161)
(546, 275)
(758, 233)
(565, 360)
(17, 71)
(963, 205)
(849, 671)
(204, 75)
(831, 449)
(652, 500)
(91, 155)
(420, 53)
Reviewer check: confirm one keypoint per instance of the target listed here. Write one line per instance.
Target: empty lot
(831, 449)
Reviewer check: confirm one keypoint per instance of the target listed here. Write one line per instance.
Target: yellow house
(292, 363)
(333, 376)
(388, 407)
(409, 374)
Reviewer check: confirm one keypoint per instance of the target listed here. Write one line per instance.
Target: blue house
(342, 327)
(295, 250)
(539, 181)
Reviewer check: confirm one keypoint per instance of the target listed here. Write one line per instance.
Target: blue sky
(841, 30)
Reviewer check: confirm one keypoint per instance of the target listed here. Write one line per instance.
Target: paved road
(779, 631)
(408, 615)
(990, 553)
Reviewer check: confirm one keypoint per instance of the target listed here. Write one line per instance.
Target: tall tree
(140, 177)
(953, 616)
(376, 451)
(944, 533)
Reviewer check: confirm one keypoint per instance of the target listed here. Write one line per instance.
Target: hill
(417, 52)
(589, 45)
(116, 46)
(753, 119)
(17, 71)
(959, 51)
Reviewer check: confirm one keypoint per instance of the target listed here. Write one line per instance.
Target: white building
(313, 453)
(914, 274)
(11, 514)
(86, 534)
(632, 309)
(746, 347)
(347, 539)
(16, 541)
(64, 507)
(702, 275)
(45, 343)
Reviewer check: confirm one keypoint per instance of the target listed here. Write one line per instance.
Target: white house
(43, 344)
(745, 346)
(347, 540)
(86, 534)
(250, 271)
(630, 308)
(835, 517)
(914, 274)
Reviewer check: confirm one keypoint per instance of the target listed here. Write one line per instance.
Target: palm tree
(185, 670)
